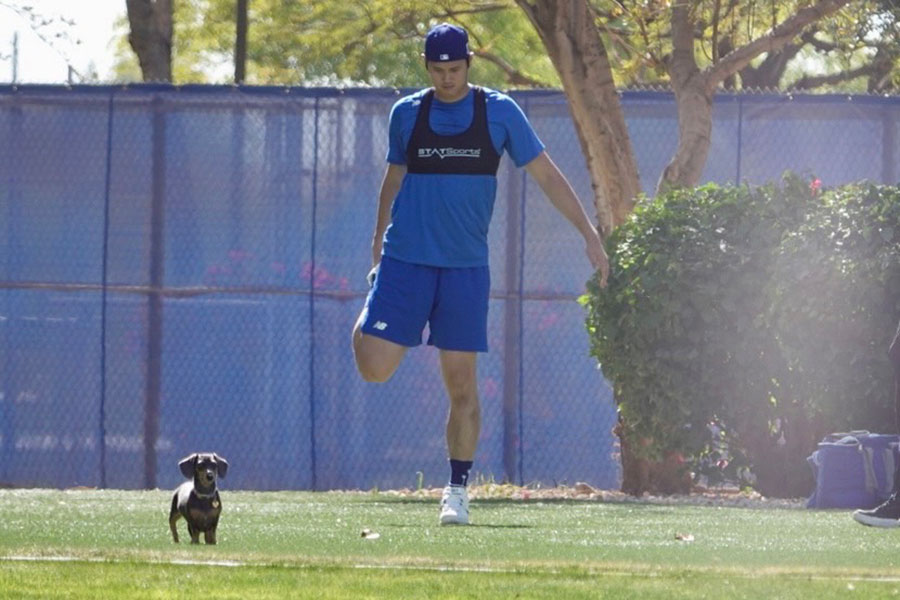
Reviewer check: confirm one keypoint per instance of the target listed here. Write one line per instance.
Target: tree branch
(681, 65)
(770, 71)
(775, 40)
(513, 75)
(810, 38)
(717, 7)
(473, 11)
(880, 65)
(39, 24)
(808, 82)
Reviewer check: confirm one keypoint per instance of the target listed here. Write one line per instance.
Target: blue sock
(459, 472)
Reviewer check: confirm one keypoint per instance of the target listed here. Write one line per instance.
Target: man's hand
(596, 253)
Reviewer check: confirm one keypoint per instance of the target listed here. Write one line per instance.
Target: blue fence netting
(181, 269)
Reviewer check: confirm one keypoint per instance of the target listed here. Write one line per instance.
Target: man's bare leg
(463, 429)
(376, 358)
(464, 421)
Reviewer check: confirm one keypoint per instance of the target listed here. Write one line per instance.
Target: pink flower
(815, 185)
(321, 277)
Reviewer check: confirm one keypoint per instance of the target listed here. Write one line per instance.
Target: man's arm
(390, 185)
(562, 196)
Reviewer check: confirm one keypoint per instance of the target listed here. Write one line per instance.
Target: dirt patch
(718, 496)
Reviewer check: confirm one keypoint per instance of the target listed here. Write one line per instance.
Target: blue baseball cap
(446, 42)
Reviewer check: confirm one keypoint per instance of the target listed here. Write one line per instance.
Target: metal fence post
(155, 297)
(888, 142)
(104, 297)
(7, 452)
(740, 134)
(312, 305)
(512, 325)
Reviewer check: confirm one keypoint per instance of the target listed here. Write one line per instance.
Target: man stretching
(430, 250)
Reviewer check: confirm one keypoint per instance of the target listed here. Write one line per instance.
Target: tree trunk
(151, 37)
(577, 51)
(640, 474)
(694, 89)
(694, 106)
(779, 461)
(240, 44)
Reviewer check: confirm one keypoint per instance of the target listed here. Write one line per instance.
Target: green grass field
(116, 544)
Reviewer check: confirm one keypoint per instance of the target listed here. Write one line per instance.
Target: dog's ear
(221, 465)
(187, 465)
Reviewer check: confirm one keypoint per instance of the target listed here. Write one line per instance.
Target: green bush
(740, 311)
(835, 302)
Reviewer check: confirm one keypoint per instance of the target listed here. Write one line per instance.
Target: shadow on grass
(454, 527)
(630, 503)
(518, 502)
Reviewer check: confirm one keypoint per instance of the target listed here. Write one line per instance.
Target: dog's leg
(174, 515)
(210, 536)
(195, 533)
(172, 525)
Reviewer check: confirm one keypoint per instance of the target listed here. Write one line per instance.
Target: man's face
(450, 79)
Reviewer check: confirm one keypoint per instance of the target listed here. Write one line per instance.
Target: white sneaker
(455, 506)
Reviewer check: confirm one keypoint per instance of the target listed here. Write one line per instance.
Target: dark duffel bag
(854, 470)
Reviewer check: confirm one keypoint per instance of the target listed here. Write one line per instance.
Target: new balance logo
(443, 153)
(380, 325)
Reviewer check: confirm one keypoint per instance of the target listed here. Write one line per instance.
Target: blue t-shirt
(442, 220)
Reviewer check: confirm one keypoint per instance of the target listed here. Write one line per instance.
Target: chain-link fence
(182, 267)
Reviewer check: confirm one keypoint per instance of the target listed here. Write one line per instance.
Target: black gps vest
(468, 153)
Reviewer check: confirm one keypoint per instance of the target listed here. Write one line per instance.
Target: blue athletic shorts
(452, 301)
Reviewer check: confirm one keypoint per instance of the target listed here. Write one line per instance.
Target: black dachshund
(197, 500)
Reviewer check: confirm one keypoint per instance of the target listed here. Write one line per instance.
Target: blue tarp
(181, 269)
